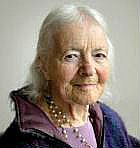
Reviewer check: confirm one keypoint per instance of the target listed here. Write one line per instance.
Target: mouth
(85, 86)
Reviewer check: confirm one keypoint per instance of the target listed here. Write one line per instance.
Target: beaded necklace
(59, 117)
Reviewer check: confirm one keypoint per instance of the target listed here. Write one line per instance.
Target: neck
(76, 113)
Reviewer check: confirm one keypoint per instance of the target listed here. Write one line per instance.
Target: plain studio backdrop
(20, 21)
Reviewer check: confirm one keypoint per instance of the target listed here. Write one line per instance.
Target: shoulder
(111, 115)
(115, 127)
(13, 137)
(107, 110)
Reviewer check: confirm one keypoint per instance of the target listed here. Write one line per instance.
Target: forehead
(79, 36)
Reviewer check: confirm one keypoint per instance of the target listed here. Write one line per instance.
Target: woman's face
(77, 64)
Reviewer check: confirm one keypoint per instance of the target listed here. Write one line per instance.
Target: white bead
(59, 120)
(66, 136)
(64, 131)
(64, 116)
(53, 111)
(61, 125)
(52, 102)
(68, 120)
(75, 130)
(83, 140)
(55, 115)
(50, 106)
(60, 113)
(79, 135)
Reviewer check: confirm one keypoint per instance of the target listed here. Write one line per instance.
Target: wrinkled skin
(77, 64)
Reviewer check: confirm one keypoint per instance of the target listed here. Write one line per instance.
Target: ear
(43, 66)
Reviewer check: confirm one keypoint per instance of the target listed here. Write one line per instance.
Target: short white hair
(66, 14)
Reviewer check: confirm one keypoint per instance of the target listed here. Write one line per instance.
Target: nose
(87, 69)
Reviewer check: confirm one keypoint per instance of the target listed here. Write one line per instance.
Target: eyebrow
(72, 49)
(79, 50)
(100, 49)
(75, 49)
(94, 49)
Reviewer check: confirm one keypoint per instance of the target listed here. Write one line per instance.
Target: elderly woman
(60, 108)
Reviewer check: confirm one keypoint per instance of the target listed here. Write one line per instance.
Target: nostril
(86, 70)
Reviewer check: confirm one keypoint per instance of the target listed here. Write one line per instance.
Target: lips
(85, 86)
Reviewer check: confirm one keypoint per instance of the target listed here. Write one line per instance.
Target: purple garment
(31, 116)
(86, 131)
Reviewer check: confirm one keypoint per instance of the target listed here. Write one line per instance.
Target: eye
(71, 57)
(100, 56)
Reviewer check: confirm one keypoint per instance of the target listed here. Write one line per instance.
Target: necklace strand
(60, 118)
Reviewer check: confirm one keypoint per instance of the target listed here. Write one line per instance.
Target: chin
(86, 97)
(84, 100)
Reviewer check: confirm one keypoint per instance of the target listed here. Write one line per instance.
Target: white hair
(66, 14)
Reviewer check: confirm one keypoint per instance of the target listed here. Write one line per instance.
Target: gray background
(20, 21)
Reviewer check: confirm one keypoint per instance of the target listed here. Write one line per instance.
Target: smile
(85, 86)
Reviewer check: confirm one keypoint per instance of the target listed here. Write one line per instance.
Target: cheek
(103, 74)
(67, 73)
